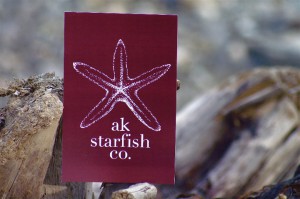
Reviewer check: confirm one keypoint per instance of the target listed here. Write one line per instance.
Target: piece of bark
(55, 192)
(26, 141)
(93, 190)
(137, 191)
(89, 190)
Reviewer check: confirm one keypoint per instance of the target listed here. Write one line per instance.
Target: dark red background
(151, 41)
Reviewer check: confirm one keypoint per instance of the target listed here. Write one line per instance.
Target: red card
(119, 97)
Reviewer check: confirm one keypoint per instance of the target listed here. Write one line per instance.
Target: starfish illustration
(121, 88)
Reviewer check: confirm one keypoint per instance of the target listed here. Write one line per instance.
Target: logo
(121, 88)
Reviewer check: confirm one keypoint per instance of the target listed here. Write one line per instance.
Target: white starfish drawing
(121, 88)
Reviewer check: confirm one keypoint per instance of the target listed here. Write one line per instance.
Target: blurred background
(215, 38)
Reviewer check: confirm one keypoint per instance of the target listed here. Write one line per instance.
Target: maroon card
(119, 97)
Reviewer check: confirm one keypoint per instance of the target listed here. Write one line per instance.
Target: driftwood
(242, 135)
(30, 122)
(234, 140)
(31, 142)
(31, 116)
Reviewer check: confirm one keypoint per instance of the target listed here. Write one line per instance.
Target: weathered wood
(27, 139)
(137, 191)
(30, 173)
(198, 132)
(236, 137)
(32, 116)
(53, 176)
(282, 160)
(247, 155)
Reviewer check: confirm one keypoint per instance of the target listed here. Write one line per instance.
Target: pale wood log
(245, 157)
(201, 125)
(234, 137)
(198, 132)
(137, 191)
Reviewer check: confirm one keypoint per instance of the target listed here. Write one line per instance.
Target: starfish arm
(149, 77)
(140, 110)
(120, 63)
(99, 111)
(93, 75)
